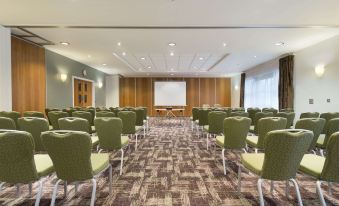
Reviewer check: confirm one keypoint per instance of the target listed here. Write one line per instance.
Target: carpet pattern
(173, 167)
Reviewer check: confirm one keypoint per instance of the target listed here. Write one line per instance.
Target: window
(262, 90)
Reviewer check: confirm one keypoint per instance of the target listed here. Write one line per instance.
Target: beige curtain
(286, 90)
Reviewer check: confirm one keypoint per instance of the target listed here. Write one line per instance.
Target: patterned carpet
(173, 167)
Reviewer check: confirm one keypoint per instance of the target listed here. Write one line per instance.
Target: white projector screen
(170, 93)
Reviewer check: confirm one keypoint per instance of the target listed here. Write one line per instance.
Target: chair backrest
(13, 115)
(235, 132)
(16, 157)
(105, 114)
(35, 126)
(252, 112)
(332, 127)
(50, 110)
(274, 111)
(268, 124)
(69, 111)
(315, 125)
(289, 116)
(128, 121)
(330, 170)
(53, 117)
(258, 116)
(239, 109)
(328, 116)
(203, 116)
(216, 122)
(205, 105)
(195, 113)
(7, 123)
(309, 115)
(139, 112)
(70, 152)
(287, 110)
(109, 132)
(74, 124)
(145, 112)
(114, 110)
(92, 111)
(85, 115)
(217, 105)
(239, 114)
(284, 150)
(33, 114)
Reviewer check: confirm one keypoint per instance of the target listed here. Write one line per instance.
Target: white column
(5, 70)
(112, 91)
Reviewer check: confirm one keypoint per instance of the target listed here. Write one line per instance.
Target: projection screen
(170, 93)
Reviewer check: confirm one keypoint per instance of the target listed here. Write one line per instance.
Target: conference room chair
(33, 114)
(265, 125)
(7, 123)
(73, 161)
(54, 116)
(251, 113)
(146, 117)
(287, 110)
(88, 116)
(215, 124)
(115, 110)
(274, 111)
(235, 130)
(13, 115)
(195, 117)
(69, 111)
(78, 124)
(19, 164)
(238, 109)
(206, 106)
(217, 105)
(239, 114)
(284, 150)
(50, 110)
(92, 111)
(104, 114)
(139, 121)
(257, 117)
(309, 115)
(324, 169)
(328, 116)
(128, 125)
(203, 119)
(332, 127)
(35, 126)
(315, 125)
(289, 116)
(109, 132)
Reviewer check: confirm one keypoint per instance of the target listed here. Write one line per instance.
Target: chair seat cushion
(220, 141)
(93, 129)
(252, 128)
(95, 140)
(138, 128)
(99, 162)
(253, 162)
(197, 121)
(252, 140)
(191, 118)
(124, 140)
(312, 164)
(44, 164)
(206, 128)
(147, 117)
(320, 141)
(50, 127)
(144, 121)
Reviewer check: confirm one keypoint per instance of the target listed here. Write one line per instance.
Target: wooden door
(82, 93)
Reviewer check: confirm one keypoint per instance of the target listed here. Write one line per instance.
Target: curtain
(286, 90)
(242, 89)
(262, 90)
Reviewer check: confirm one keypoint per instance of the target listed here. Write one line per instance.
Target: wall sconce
(236, 87)
(63, 77)
(100, 84)
(319, 70)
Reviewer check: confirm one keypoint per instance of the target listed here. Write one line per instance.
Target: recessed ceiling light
(279, 43)
(172, 74)
(142, 58)
(123, 53)
(104, 64)
(172, 44)
(201, 58)
(224, 44)
(65, 43)
(149, 67)
(119, 43)
(255, 56)
(172, 53)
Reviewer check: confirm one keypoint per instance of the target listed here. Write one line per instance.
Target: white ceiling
(297, 23)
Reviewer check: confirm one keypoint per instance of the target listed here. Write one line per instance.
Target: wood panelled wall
(139, 91)
(28, 76)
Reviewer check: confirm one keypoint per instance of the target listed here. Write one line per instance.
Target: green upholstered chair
(128, 125)
(18, 164)
(239, 109)
(251, 113)
(35, 126)
(7, 123)
(105, 114)
(85, 115)
(77, 124)
(69, 111)
(284, 150)
(321, 168)
(203, 118)
(332, 127)
(315, 125)
(13, 115)
(289, 116)
(195, 116)
(287, 110)
(33, 114)
(50, 110)
(109, 133)
(257, 117)
(239, 114)
(115, 110)
(215, 124)
(92, 111)
(234, 138)
(146, 117)
(328, 116)
(53, 117)
(139, 121)
(309, 115)
(265, 125)
(274, 111)
(73, 161)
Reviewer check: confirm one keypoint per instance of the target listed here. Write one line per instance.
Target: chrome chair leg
(94, 182)
(38, 195)
(261, 196)
(320, 193)
(300, 203)
(122, 160)
(223, 160)
(55, 192)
